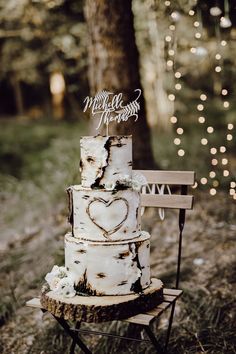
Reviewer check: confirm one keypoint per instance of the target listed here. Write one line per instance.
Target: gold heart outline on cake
(107, 233)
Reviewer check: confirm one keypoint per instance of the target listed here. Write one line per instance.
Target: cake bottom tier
(109, 268)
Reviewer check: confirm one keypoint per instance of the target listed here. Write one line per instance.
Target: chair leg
(73, 344)
(154, 340)
(169, 326)
(74, 336)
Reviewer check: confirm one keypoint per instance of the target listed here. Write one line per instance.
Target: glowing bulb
(178, 86)
(171, 97)
(193, 50)
(195, 185)
(225, 173)
(173, 119)
(226, 104)
(177, 141)
(210, 130)
(222, 149)
(204, 141)
(224, 92)
(224, 161)
(203, 180)
(230, 126)
(171, 52)
(200, 107)
(198, 35)
(218, 56)
(214, 162)
(170, 63)
(213, 151)
(172, 27)
(234, 196)
(229, 137)
(179, 131)
(212, 174)
(203, 97)
(201, 120)
(232, 185)
(167, 3)
(223, 43)
(168, 38)
(218, 69)
(212, 191)
(181, 152)
(175, 15)
(231, 191)
(196, 24)
(215, 183)
(191, 13)
(225, 22)
(178, 75)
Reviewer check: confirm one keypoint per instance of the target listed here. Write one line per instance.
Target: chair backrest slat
(167, 201)
(172, 201)
(169, 177)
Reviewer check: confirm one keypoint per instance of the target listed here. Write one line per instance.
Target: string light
(204, 141)
(213, 151)
(226, 104)
(203, 180)
(200, 107)
(167, 3)
(177, 141)
(230, 126)
(172, 27)
(178, 75)
(218, 69)
(173, 119)
(214, 162)
(201, 120)
(170, 63)
(171, 52)
(224, 92)
(225, 173)
(212, 191)
(181, 152)
(198, 35)
(212, 174)
(231, 191)
(178, 86)
(171, 97)
(203, 97)
(222, 149)
(179, 131)
(191, 13)
(218, 56)
(229, 137)
(210, 130)
(175, 15)
(224, 161)
(223, 43)
(215, 183)
(193, 50)
(168, 38)
(196, 24)
(195, 185)
(232, 185)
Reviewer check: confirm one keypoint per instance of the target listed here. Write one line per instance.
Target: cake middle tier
(109, 268)
(104, 215)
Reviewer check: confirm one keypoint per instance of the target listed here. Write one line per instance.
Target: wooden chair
(182, 202)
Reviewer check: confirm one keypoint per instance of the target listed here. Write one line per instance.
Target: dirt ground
(204, 319)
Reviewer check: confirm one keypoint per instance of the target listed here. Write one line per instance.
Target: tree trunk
(18, 94)
(114, 66)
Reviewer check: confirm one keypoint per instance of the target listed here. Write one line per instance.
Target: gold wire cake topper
(109, 107)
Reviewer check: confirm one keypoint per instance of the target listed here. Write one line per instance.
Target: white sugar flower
(139, 178)
(109, 186)
(65, 287)
(55, 276)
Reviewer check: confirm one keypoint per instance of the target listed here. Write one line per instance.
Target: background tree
(114, 66)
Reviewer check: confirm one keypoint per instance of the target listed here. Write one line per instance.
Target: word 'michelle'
(109, 107)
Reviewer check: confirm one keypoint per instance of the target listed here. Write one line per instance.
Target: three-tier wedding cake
(106, 253)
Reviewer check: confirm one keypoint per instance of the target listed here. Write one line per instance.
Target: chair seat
(170, 296)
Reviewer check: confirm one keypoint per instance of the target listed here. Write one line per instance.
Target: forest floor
(33, 219)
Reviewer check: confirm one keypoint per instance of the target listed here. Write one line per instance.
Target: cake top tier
(105, 160)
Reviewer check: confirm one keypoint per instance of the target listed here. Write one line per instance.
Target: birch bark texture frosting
(105, 160)
(110, 268)
(105, 215)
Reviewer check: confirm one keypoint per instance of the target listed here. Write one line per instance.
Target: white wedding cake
(106, 253)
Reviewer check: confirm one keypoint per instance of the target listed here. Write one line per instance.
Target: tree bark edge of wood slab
(103, 308)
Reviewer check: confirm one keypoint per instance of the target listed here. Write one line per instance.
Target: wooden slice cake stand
(103, 308)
